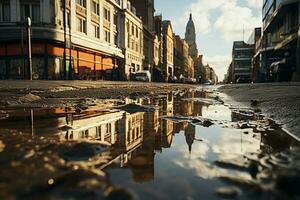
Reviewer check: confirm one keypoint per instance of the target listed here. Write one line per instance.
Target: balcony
(95, 18)
(80, 10)
(106, 24)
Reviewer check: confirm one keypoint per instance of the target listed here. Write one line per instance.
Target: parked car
(173, 79)
(207, 82)
(144, 76)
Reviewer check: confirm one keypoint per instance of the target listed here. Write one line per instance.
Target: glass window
(81, 2)
(81, 25)
(16, 68)
(2, 69)
(116, 39)
(107, 14)
(95, 8)
(96, 30)
(36, 12)
(31, 10)
(5, 12)
(115, 19)
(107, 36)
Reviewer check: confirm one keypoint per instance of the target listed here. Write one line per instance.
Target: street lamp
(65, 40)
(28, 25)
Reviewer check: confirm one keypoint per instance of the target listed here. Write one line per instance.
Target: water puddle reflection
(173, 146)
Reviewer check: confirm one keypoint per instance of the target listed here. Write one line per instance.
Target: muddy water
(184, 145)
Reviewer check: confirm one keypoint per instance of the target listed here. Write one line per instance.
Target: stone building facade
(168, 48)
(131, 42)
(145, 10)
(92, 39)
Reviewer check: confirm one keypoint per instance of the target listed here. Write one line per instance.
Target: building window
(116, 38)
(107, 14)
(81, 25)
(95, 8)
(132, 30)
(4, 11)
(116, 19)
(128, 27)
(96, 30)
(81, 2)
(31, 10)
(107, 36)
(108, 128)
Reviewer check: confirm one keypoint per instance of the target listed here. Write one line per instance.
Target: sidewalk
(281, 101)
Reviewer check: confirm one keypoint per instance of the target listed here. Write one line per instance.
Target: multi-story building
(242, 54)
(209, 74)
(280, 43)
(167, 67)
(158, 52)
(91, 37)
(145, 9)
(131, 42)
(255, 39)
(228, 76)
(200, 78)
(182, 60)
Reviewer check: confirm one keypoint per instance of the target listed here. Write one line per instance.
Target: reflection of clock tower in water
(189, 134)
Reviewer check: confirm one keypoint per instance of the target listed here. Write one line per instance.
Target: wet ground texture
(185, 144)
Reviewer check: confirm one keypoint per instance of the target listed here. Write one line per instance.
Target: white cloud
(234, 19)
(255, 3)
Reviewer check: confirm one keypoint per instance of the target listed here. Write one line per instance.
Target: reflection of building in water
(151, 122)
(166, 128)
(103, 127)
(189, 134)
(189, 107)
(131, 129)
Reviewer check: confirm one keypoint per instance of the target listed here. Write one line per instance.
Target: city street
(149, 99)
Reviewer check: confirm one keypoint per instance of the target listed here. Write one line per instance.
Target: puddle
(187, 145)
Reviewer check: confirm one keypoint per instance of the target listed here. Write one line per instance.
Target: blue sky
(218, 23)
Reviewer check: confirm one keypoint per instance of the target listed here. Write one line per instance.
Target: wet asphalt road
(280, 101)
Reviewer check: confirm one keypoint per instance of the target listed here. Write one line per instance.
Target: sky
(218, 23)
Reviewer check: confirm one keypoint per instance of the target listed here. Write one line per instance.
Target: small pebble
(227, 192)
(51, 181)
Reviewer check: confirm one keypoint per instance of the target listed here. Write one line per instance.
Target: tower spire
(191, 18)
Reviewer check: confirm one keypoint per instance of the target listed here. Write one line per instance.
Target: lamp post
(65, 40)
(29, 61)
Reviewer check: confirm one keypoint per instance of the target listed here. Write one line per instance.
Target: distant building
(242, 54)
(145, 9)
(131, 42)
(200, 67)
(168, 47)
(158, 52)
(183, 67)
(280, 43)
(255, 39)
(190, 37)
